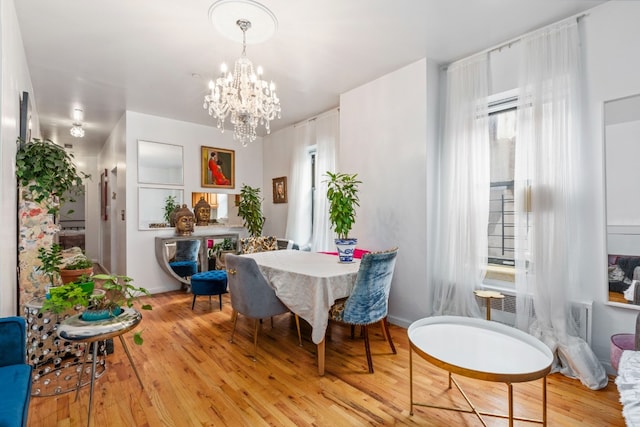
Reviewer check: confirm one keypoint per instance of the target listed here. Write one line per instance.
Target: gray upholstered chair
(251, 295)
(369, 300)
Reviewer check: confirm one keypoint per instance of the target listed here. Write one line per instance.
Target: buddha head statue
(202, 210)
(184, 221)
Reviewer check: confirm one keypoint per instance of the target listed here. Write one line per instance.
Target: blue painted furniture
(369, 300)
(15, 373)
(213, 282)
(184, 268)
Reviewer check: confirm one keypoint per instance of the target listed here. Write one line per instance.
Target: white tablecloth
(628, 382)
(308, 283)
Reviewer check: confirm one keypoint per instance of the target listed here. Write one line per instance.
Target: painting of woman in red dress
(217, 167)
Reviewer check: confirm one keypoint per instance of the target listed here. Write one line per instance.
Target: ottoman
(213, 282)
(619, 343)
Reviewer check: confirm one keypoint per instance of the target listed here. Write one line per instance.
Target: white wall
(14, 79)
(276, 163)
(611, 35)
(141, 263)
(385, 135)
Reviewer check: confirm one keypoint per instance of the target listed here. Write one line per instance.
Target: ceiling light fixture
(76, 130)
(244, 95)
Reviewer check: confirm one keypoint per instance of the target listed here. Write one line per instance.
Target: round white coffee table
(480, 349)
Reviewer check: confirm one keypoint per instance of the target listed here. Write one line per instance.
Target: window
(502, 137)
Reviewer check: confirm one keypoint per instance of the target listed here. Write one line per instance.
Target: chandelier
(76, 130)
(243, 95)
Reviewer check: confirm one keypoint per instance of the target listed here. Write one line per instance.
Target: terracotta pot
(69, 276)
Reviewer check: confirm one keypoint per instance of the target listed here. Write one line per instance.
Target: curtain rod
(514, 40)
(311, 119)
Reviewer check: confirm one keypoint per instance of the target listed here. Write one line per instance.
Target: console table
(480, 349)
(163, 259)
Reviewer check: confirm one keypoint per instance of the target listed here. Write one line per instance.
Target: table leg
(93, 379)
(84, 359)
(544, 400)
(510, 388)
(488, 302)
(411, 380)
(133, 365)
(321, 346)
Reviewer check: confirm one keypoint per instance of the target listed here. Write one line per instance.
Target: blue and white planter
(346, 248)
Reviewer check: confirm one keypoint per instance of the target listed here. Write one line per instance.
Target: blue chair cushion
(15, 394)
(187, 250)
(184, 268)
(213, 282)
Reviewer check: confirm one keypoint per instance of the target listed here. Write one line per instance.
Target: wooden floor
(194, 376)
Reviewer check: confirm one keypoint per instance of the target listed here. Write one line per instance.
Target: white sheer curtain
(327, 134)
(299, 214)
(548, 184)
(461, 246)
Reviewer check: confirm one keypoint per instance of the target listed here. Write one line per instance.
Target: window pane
(501, 209)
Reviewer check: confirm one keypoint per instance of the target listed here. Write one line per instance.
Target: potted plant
(250, 210)
(342, 192)
(69, 295)
(170, 206)
(50, 260)
(76, 267)
(46, 172)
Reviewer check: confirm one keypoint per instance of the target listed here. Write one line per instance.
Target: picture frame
(104, 196)
(225, 161)
(280, 189)
(25, 117)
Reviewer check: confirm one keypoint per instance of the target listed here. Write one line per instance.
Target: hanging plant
(250, 210)
(46, 171)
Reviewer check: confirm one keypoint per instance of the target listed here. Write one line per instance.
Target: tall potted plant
(342, 192)
(46, 171)
(250, 210)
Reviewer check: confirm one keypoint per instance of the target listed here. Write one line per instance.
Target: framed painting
(218, 167)
(280, 190)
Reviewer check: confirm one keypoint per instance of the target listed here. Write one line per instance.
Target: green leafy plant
(342, 192)
(169, 206)
(46, 170)
(69, 295)
(250, 210)
(80, 263)
(50, 259)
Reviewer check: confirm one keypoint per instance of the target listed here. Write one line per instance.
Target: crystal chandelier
(76, 130)
(243, 94)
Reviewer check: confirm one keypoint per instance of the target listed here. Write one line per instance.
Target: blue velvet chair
(15, 373)
(369, 300)
(185, 262)
(251, 295)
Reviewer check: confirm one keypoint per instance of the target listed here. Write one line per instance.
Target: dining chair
(249, 245)
(15, 373)
(369, 300)
(252, 296)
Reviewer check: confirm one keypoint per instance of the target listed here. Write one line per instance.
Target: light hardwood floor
(193, 376)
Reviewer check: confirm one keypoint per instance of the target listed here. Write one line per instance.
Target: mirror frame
(166, 159)
(622, 237)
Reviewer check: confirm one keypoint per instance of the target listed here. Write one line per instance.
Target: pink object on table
(619, 343)
(356, 253)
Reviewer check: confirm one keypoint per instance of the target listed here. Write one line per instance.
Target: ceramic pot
(69, 276)
(346, 248)
(94, 315)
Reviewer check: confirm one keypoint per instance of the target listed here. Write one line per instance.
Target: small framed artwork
(280, 190)
(218, 167)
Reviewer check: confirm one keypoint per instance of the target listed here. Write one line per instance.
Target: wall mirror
(160, 163)
(622, 149)
(222, 205)
(151, 202)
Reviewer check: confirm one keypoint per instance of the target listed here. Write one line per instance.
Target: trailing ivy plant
(46, 170)
(250, 210)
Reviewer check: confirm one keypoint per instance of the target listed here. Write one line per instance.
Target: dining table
(308, 283)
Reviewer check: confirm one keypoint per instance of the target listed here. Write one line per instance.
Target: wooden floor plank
(193, 376)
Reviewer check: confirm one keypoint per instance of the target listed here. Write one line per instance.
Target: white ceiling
(157, 56)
